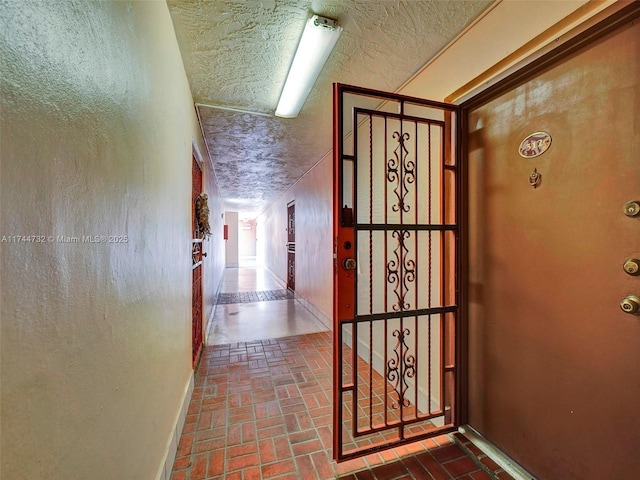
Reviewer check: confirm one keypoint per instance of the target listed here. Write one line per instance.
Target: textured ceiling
(237, 53)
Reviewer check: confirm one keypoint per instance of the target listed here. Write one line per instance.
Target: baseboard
(491, 451)
(209, 323)
(315, 311)
(275, 276)
(166, 466)
(213, 310)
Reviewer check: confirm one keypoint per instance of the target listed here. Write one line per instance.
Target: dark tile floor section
(247, 297)
(263, 410)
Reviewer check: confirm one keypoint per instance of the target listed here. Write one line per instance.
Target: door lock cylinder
(632, 208)
(632, 266)
(631, 304)
(349, 264)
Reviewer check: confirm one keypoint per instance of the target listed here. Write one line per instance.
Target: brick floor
(262, 410)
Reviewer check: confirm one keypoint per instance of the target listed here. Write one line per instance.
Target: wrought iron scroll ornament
(400, 368)
(401, 171)
(401, 271)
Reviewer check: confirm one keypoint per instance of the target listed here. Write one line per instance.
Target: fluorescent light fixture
(318, 39)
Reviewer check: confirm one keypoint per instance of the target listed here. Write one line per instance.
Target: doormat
(247, 297)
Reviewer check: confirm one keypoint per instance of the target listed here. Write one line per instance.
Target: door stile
(342, 282)
(197, 272)
(462, 339)
(337, 194)
(443, 260)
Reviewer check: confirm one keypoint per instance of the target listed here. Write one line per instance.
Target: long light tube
(318, 39)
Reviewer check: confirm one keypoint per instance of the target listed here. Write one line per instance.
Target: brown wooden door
(196, 273)
(554, 360)
(396, 375)
(291, 246)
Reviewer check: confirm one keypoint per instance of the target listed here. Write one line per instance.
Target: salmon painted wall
(96, 142)
(312, 195)
(272, 236)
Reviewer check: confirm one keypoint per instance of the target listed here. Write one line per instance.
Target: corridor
(253, 305)
(262, 402)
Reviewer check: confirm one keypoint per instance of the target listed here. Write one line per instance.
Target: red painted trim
(337, 368)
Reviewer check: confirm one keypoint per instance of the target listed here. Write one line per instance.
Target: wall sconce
(318, 39)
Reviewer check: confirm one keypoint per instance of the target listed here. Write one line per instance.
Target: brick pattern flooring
(263, 410)
(377, 404)
(247, 297)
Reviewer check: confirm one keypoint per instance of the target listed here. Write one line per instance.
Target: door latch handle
(349, 264)
(631, 304)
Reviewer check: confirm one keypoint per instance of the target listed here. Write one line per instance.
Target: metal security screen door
(396, 236)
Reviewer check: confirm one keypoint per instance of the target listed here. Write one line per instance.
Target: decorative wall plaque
(202, 215)
(534, 145)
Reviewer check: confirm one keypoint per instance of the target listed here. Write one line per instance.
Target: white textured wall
(314, 238)
(247, 239)
(273, 236)
(97, 126)
(231, 244)
(314, 245)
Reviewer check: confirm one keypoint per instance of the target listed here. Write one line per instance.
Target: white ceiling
(237, 53)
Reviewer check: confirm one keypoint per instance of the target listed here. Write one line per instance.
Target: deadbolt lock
(632, 266)
(349, 264)
(630, 304)
(632, 208)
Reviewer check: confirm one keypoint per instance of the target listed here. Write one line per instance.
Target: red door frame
(197, 271)
(291, 246)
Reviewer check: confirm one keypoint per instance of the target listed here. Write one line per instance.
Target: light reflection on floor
(242, 322)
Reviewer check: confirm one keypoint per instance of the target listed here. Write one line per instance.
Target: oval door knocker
(534, 145)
